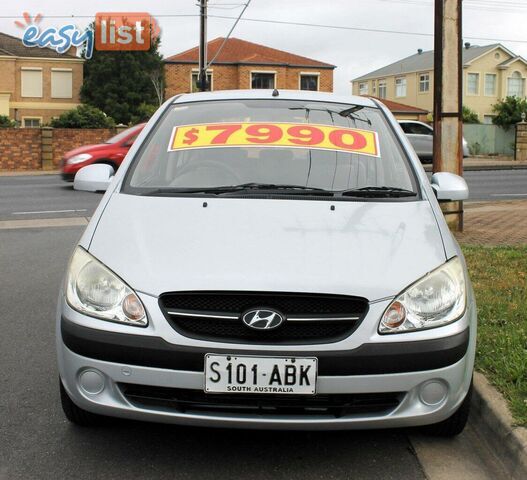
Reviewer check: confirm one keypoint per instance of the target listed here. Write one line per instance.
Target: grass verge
(499, 276)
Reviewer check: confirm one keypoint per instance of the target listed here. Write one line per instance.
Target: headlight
(93, 289)
(81, 157)
(436, 299)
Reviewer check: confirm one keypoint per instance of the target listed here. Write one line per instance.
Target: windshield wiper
(386, 192)
(244, 187)
(346, 113)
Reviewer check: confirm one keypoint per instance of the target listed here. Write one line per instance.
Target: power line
(299, 24)
(362, 29)
(229, 34)
(506, 6)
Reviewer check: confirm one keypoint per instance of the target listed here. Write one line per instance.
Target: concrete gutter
(20, 173)
(493, 420)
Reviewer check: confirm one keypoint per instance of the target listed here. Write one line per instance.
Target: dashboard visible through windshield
(296, 147)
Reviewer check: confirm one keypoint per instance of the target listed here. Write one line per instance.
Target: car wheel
(77, 415)
(454, 424)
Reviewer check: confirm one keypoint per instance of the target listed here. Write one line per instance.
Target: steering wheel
(224, 170)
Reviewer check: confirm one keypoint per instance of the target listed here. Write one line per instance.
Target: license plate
(241, 374)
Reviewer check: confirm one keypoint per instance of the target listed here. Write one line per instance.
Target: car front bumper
(432, 377)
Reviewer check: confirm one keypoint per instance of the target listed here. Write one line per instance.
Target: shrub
(84, 116)
(509, 111)
(6, 122)
(470, 116)
(144, 112)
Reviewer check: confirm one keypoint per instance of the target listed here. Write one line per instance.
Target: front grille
(188, 401)
(310, 318)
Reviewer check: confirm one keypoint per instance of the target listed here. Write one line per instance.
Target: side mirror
(449, 187)
(93, 178)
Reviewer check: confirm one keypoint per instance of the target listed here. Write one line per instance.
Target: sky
(353, 52)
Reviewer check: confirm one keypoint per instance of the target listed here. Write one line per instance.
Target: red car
(111, 152)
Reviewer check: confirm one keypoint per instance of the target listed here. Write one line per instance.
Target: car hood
(87, 149)
(368, 249)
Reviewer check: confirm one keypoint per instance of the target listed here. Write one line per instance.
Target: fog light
(433, 392)
(91, 382)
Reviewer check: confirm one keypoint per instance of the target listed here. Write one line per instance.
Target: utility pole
(202, 76)
(448, 99)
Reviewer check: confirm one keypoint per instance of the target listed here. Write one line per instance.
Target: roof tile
(13, 46)
(422, 61)
(241, 51)
(396, 107)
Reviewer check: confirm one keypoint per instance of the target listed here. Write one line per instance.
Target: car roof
(261, 94)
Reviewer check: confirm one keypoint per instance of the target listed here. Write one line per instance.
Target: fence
(43, 148)
(489, 139)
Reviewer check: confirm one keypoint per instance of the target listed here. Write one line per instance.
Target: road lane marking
(43, 223)
(508, 194)
(43, 212)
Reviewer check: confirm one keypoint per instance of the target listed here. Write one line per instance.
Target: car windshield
(273, 144)
(121, 135)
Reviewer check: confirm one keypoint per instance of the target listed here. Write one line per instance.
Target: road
(37, 442)
(47, 196)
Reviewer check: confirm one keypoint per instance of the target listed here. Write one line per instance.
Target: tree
(118, 82)
(470, 116)
(6, 122)
(509, 111)
(84, 116)
(144, 112)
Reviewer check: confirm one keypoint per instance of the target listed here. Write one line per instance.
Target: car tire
(454, 424)
(77, 415)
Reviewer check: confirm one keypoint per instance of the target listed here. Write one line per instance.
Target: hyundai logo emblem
(262, 319)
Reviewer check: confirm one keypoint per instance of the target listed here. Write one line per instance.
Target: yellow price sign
(265, 134)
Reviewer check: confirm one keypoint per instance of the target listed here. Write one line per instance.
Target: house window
(262, 80)
(515, 85)
(490, 84)
(28, 122)
(363, 88)
(382, 88)
(424, 82)
(473, 84)
(374, 87)
(194, 82)
(31, 79)
(309, 81)
(400, 87)
(61, 83)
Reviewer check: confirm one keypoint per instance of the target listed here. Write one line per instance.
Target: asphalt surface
(36, 441)
(47, 196)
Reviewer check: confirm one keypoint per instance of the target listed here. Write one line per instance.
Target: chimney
(467, 45)
(419, 51)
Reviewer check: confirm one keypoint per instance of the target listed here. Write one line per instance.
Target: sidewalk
(495, 223)
(488, 163)
(18, 173)
(470, 163)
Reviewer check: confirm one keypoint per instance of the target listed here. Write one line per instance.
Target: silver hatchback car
(269, 259)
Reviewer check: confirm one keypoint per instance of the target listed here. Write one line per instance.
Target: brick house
(405, 112)
(37, 84)
(245, 65)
